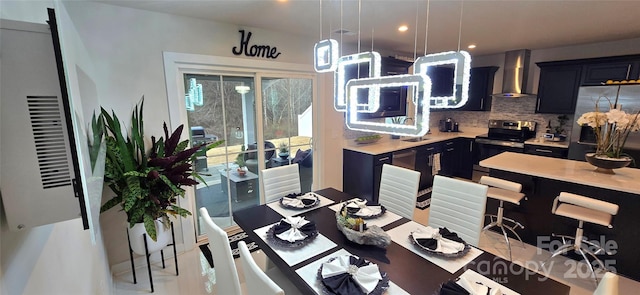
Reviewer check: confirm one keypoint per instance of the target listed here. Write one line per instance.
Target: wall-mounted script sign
(265, 51)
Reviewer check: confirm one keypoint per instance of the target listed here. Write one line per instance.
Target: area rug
(233, 242)
(424, 199)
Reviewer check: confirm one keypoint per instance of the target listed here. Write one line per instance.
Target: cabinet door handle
(471, 146)
(482, 103)
(628, 71)
(451, 149)
(543, 151)
(430, 149)
(383, 159)
(538, 105)
(449, 143)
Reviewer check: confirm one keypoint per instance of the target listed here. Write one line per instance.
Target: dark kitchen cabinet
(441, 80)
(558, 88)
(598, 73)
(465, 149)
(547, 151)
(480, 89)
(449, 160)
(361, 174)
(424, 163)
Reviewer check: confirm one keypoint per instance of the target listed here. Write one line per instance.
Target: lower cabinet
(449, 161)
(466, 157)
(361, 174)
(424, 163)
(547, 151)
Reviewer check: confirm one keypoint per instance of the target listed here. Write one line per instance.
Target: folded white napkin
(297, 201)
(443, 245)
(367, 277)
(364, 209)
(293, 234)
(477, 288)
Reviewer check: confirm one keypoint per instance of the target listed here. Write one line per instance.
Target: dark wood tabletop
(406, 269)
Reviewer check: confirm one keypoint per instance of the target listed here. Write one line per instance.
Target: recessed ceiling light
(403, 28)
(472, 46)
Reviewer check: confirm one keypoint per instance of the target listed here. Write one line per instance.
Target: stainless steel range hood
(516, 72)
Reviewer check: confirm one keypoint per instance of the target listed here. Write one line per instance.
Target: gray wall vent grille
(48, 134)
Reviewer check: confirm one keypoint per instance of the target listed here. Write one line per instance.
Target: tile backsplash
(521, 109)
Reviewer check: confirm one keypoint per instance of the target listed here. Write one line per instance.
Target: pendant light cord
(320, 20)
(426, 27)
(359, 12)
(415, 35)
(460, 26)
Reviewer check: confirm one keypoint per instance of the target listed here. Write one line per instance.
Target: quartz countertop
(387, 145)
(558, 144)
(624, 179)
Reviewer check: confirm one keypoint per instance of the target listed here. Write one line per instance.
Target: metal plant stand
(147, 254)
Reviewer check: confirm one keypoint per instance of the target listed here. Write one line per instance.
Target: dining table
(408, 270)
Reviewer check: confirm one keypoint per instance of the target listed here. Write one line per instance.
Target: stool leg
(146, 251)
(563, 249)
(516, 234)
(593, 272)
(506, 238)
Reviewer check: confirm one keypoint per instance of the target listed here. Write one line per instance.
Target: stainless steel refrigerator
(582, 137)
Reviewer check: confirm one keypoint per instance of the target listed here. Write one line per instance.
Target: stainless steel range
(503, 136)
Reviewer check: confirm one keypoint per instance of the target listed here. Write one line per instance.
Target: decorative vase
(283, 155)
(605, 164)
(242, 172)
(163, 238)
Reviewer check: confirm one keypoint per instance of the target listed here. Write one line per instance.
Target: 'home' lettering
(255, 50)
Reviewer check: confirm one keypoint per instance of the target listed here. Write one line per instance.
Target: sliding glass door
(224, 106)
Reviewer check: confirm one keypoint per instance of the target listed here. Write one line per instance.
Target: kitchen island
(543, 178)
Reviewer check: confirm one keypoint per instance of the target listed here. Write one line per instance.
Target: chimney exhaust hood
(516, 72)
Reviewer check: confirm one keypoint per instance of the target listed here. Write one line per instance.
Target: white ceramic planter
(137, 242)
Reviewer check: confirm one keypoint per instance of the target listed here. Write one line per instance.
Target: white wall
(127, 45)
(59, 258)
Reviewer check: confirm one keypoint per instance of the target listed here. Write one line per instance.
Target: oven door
(487, 148)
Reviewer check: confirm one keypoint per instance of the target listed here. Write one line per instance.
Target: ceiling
(494, 26)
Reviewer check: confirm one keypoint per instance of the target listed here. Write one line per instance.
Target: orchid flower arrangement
(611, 128)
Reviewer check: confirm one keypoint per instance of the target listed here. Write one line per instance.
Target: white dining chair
(399, 190)
(256, 281)
(459, 206)
(280, 181)
(227, 281)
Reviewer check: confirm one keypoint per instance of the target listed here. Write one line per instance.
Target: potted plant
(283, 150)
(240, 162)
(147, 182)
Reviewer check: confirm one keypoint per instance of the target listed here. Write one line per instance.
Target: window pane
(287, 121)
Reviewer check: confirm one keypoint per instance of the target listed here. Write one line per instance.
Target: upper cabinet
(597, 73)
(480, 89)
(558, 89)
(561, 80)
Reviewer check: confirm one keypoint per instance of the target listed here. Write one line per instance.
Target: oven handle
(500, 143)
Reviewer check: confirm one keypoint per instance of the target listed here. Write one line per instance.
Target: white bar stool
(503, 190)
(583, 209)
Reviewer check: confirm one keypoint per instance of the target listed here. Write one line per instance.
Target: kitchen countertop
(558, 144)
(387, 145)
(624, 179)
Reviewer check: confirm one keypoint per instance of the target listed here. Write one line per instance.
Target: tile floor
(197, 278)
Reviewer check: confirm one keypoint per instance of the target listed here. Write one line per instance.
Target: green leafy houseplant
(147, 183)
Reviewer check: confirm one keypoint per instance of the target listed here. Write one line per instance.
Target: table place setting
(374, 214)
(473, 283)
(452, 255)
(294, 239)
(295, 204)
(343, 273)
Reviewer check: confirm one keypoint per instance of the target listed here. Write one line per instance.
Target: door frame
(176, 65)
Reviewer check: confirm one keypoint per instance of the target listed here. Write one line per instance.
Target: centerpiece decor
(356, 230)
(147, 182)
(611, 129)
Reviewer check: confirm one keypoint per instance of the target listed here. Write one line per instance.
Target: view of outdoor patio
(225, 108)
